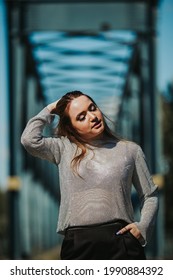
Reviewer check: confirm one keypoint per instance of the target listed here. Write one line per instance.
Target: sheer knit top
(108, 172)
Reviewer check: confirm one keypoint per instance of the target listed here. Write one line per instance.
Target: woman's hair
(65, 128)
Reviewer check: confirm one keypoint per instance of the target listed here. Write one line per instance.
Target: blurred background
(118, 52)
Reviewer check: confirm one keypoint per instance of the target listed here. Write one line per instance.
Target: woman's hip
(100, 242)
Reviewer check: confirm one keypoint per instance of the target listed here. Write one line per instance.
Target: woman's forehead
(79, 104)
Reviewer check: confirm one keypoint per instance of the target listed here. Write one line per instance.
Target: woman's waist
(116, 224)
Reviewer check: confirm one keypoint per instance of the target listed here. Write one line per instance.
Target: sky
(164, 70)
(165, 44)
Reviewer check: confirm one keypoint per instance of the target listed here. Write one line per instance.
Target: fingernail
(118, 232)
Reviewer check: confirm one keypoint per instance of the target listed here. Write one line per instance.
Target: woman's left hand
(133, 230)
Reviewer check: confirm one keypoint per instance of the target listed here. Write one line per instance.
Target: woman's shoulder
(64, 140)
(66, 143)
(130, 146)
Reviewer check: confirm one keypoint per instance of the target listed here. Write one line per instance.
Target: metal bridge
(104, 48)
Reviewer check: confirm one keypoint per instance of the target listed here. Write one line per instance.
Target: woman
(97, 171)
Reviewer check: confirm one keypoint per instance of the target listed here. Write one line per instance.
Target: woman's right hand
(52, 106)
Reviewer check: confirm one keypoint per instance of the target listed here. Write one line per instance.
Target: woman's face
(86, 118)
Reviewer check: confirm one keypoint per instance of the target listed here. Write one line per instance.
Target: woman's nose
(93, 117)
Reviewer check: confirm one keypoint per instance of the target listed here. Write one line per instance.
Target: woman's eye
(93, 108)
(81, 118)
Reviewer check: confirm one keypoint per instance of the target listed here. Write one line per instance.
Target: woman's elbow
(24, 140)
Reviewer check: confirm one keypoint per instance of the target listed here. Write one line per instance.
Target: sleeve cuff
(47, 115)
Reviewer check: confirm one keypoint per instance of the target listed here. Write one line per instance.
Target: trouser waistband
(117, 223)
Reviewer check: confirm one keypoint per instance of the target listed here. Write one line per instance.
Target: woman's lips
(97, 124)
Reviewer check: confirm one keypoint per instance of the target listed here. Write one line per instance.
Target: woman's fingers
(132, 228)
(124, 229)
(52, 106)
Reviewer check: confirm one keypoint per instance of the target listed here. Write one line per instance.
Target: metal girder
(79, 17)
(152, 2)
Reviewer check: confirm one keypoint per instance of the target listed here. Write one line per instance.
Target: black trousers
(100, 242)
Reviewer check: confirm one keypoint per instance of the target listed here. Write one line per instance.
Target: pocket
(134, 248)
(134, 238)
